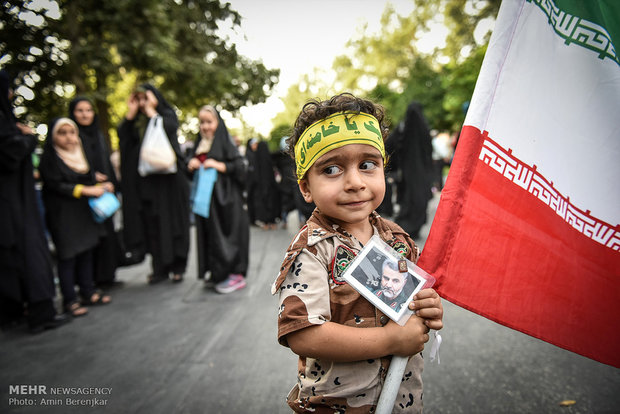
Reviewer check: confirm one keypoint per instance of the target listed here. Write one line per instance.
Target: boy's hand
(427, 305)
(408, 340)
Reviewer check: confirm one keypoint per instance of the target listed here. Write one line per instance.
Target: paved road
(180, 348)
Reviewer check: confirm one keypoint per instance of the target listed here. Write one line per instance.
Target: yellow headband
(333, 132)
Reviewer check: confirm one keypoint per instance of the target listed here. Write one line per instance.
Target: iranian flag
(527, 230)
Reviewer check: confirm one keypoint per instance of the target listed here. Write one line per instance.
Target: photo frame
(375, 275)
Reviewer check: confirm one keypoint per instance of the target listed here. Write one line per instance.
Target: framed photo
(376, 275)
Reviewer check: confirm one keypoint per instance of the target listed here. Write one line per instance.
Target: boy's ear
(305, 191)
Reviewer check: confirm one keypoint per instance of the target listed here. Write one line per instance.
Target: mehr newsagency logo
(43, 395)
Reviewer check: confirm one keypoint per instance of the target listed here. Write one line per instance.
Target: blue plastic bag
(202, 190)
(104, 206)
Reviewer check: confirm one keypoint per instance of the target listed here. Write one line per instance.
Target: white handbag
(156, 154)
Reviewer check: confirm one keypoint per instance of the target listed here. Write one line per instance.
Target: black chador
(263, 194)
(26, 273)
(108, 252)
(223, 238)
(155, 207)
(410, 150)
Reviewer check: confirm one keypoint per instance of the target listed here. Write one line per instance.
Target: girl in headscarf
(156, 206)
(106, 255)
(27, 276)
(68, 182)
(223, 238)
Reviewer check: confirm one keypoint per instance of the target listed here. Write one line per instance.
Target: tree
(310, 86)
(61, 48)
(396, 72)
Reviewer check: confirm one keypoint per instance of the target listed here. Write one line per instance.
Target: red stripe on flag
(500, 252)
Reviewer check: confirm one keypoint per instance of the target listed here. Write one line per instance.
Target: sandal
(97, 298)
(75, 309)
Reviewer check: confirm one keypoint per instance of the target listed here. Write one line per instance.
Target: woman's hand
(100, 177)
(218, 165)
(93, 190)
(427, 304)
(24, 129)
(193, 164)
(108, 186)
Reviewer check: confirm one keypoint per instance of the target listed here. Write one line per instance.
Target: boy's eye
(368, 165)
(331, 170)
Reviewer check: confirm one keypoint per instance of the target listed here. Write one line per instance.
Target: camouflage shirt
(312, 292)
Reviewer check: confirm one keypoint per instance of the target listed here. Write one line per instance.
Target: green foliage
(389, 68)
(277, 133)
(100, 48)
(458, 83)
(310, 86)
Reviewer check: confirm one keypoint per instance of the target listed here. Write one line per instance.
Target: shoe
(53, 323)
(234, 282)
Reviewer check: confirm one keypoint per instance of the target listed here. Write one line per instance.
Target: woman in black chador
(26, 272)
(107, 253)
(156, 206)
(410, 148)
(263, 194)
(223, 238)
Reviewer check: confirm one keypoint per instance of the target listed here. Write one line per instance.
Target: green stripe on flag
(592, 24)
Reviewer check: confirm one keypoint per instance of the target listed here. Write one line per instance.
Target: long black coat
(26, 273)
(167, 195)
(224, 237)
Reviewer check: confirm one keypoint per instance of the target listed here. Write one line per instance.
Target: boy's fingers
(425, 303)
(426, 293)
(435, 324)
(429, 313)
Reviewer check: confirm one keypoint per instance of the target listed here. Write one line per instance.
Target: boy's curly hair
(315, 110)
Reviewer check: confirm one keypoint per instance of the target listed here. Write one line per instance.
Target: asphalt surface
(183, 348)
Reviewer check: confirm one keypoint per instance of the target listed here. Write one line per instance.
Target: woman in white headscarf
(68, 182)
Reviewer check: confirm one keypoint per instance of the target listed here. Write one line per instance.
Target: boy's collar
(320, 227)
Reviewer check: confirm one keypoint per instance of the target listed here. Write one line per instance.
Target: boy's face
(346, 184)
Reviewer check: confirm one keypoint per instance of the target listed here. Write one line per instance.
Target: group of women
(75, 167)
(156, 206)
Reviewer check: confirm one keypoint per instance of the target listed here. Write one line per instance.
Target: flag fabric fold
(527, 230)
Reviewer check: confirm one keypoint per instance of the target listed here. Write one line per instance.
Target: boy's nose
(354, 180)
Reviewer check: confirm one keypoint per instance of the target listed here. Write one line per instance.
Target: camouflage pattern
(311, 292)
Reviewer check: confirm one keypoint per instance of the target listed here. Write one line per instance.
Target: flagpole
(392, 383)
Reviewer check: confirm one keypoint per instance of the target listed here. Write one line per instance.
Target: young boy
(339, 153)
